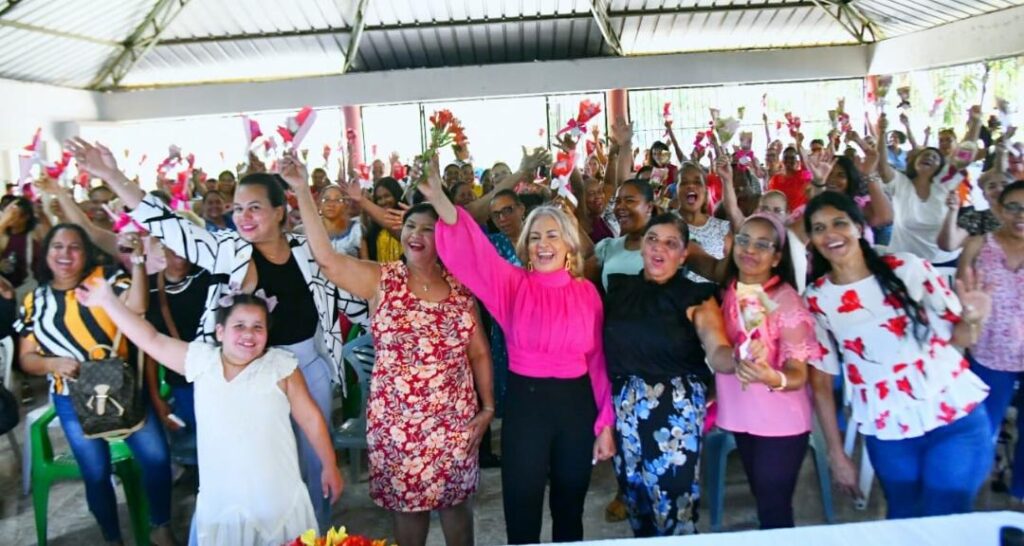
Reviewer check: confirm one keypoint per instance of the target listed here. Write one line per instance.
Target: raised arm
(97, 293)
(136, 298)
(102, 238)
(905, 120)
(723, 168)
(884, 169)
(99, 161)
(622, 132)
(675, 143)
(358, 277)
(480, 209)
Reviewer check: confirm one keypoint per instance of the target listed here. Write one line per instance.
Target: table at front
(975, 529)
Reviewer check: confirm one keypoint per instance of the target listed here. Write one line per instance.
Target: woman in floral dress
(423, 422)
(891, 325)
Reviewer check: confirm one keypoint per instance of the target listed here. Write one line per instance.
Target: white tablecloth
(975, 529)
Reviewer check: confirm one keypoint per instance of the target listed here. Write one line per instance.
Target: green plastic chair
(48, 468)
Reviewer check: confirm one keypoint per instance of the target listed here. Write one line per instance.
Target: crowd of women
(597, 327)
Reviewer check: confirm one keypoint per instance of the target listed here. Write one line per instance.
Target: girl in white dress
(250, 490)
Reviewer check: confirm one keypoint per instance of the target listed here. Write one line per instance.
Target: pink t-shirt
(788, 334)
(552, 322)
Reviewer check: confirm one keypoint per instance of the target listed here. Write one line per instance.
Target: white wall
(27, 106)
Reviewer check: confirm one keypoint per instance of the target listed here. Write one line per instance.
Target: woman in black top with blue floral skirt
(660, 332)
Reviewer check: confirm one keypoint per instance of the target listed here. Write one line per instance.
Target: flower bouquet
(561, 172)
(753, 307)
(445, 130)
(335, 537)
(578, 125)
(726, 128)
(793, 123)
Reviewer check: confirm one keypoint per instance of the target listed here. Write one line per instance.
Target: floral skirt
(658, 436)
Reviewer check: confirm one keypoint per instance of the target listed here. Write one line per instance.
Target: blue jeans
(935, 474)
(1002, 386)
(149, 447)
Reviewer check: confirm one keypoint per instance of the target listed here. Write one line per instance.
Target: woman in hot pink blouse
(891, 325)
(559, 395)
(766, 404)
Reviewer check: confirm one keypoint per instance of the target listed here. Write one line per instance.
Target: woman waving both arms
(559, 396)
(423, 424)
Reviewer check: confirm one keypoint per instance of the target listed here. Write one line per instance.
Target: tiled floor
(71, 523)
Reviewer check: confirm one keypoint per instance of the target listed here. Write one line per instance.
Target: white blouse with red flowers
(898, 387)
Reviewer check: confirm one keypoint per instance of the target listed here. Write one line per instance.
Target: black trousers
(772, 465)
(547, 435)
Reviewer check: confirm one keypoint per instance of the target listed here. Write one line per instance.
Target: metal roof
(105, 44)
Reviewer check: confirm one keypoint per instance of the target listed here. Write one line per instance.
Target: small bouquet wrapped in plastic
(727, 127)
(577, 126)
(445, 130)
(754, 306)
(793, 123)
(904, 93)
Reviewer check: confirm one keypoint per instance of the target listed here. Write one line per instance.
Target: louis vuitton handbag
(108, 394)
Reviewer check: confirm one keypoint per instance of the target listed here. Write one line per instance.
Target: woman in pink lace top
(559, 396)
(998, 357)
(766, 404)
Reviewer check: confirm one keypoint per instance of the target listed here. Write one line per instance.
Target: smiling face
(463, 195)
(947, 140)
(596, 198)
(663, 251)
(837, 180)
(243, 336)
(256, 219)
(319, 179)
(546, 245)
(384, 198)
(789, 160)
(213, 206)
(65, 256)
(992, 184)
(835, 235)
(927, 163)
(1012, 211)
(418, 238)
(632, 209)
(451, 175)
(691, 190)
(756, 251)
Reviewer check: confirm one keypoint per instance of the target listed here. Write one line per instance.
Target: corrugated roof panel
(31, 56)
(202, 18)
(895, 17)
(239, 60)
(725, 30)
(396, 12)
(114, 20)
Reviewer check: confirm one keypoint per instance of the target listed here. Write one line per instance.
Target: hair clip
(234, 290)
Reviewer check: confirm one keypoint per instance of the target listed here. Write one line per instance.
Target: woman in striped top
(57, 335)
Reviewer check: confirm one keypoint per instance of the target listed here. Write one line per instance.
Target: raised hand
(94, 292)
(566, 143)
(622, 132)
(433, 186)
(293, 171)
(883, 125)
(352, 190)
(953, 200)
(723, 168)
(976, 300)
(532, 159)
(48, 185)
(821, 165)
(96, 159)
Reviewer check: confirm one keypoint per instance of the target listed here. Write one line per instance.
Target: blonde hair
(567, 230)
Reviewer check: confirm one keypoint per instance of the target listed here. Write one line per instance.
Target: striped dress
(61, 327)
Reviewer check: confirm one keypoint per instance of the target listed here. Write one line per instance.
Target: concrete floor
(70, 522)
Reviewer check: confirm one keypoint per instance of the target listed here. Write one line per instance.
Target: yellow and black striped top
(62, 327)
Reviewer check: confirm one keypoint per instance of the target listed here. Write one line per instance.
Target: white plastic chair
(7, 358)
(867, 472)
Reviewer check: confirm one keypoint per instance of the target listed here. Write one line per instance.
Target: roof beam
(58, 33)
(358, 25)
(599, 9)
(139, 43)
(11, 4)
(848, 17)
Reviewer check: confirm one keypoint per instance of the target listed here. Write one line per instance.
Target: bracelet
(783, 384)
(487, 408)
(138, 260)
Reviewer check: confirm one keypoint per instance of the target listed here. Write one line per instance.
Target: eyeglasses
(672, 244)
(501, 213)
(1013, 209)
(744, 241)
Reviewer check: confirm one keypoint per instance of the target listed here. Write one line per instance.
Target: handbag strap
(165, 308)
